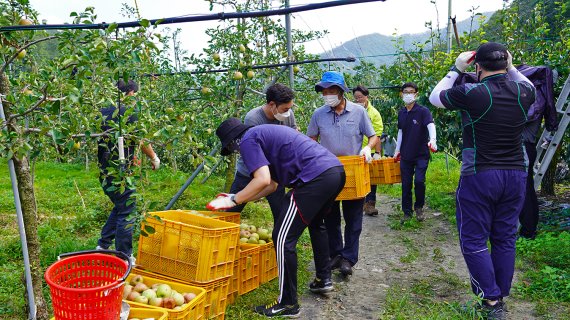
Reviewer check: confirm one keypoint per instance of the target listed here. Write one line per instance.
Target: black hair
(362, 89)
(131, 85)
(279, 94)
(409, 85)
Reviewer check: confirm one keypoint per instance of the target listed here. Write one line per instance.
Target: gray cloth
(255, 117)
(341, 134)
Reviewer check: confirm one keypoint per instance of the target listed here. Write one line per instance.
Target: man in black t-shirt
(111, 166)
(491, 188)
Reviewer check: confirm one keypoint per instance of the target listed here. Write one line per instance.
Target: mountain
(379, 49)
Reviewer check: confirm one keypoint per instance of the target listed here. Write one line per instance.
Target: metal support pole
(212, 171)
(447, 162)
(449, 34)
(23, 238)
(289, 45)
(189, 181)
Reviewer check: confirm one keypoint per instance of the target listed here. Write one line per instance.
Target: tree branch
(77, 135)
(36, 105)
(13, 57)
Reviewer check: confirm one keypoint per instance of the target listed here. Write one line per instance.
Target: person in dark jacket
(543, 107)
(114, 159)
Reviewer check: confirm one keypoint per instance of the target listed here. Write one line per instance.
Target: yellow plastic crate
(216, 297)
(385, 171)
(233, 217)
(233, 289)
(192, 310)
(267, 262)
(357, 183)
(148, 313)
(189, 247)
(249, 262)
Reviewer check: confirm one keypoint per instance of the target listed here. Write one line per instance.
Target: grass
(72, 209)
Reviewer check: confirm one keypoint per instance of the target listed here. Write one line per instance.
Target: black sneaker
(278, 310)
(495, 312)
(420, 214)
(345, 267)
(335, 262)
(321, 286)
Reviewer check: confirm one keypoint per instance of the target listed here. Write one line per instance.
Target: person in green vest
(360, 94)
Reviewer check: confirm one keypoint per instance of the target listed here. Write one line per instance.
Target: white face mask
(331, 100)
(282, 116)
(409, 98)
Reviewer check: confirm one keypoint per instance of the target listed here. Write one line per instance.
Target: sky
(343, 23)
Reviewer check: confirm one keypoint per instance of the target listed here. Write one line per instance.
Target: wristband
(454, 68)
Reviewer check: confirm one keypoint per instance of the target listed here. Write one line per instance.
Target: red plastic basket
(88, 285)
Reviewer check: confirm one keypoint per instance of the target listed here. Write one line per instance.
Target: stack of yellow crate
(194, 250)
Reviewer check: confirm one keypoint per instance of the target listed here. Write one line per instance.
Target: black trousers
(529, 214)
(305, 206)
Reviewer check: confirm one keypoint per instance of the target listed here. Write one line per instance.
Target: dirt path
(406, 260)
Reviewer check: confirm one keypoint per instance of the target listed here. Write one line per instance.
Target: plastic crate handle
(114, 252)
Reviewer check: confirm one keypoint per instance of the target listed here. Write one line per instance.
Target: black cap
(491, 51)
(228, 131)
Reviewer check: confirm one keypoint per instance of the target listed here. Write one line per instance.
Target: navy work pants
(413, 171)
(487, 208)
(118, 226)
(275, 199)
(352, 213)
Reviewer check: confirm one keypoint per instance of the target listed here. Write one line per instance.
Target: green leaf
(112, 27)
(145, 23)
(149, 229)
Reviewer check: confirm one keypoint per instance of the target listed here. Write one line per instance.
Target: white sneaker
(99, 248)
(133, 260)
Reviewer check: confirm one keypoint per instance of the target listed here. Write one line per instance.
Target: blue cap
(329, 79)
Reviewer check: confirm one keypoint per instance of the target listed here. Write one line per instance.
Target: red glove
(223, 201)
(432, 145)
(397, 156)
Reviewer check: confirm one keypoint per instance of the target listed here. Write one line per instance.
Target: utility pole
(289, 44)
(449, 32)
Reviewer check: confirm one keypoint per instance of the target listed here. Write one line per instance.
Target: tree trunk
(29, 212)
(547, 185)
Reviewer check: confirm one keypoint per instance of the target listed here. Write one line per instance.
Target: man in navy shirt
(491, 188)
(279, 155)
(416, 136)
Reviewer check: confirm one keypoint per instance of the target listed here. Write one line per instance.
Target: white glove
(155, 162)
(546, 142)
(432, 145)
(377, 156)
(464, 60)
(223, 201)
(367, 153)
(509, 60)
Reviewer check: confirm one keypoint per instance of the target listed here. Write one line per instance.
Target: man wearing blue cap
(491, 188)
(340, 125)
